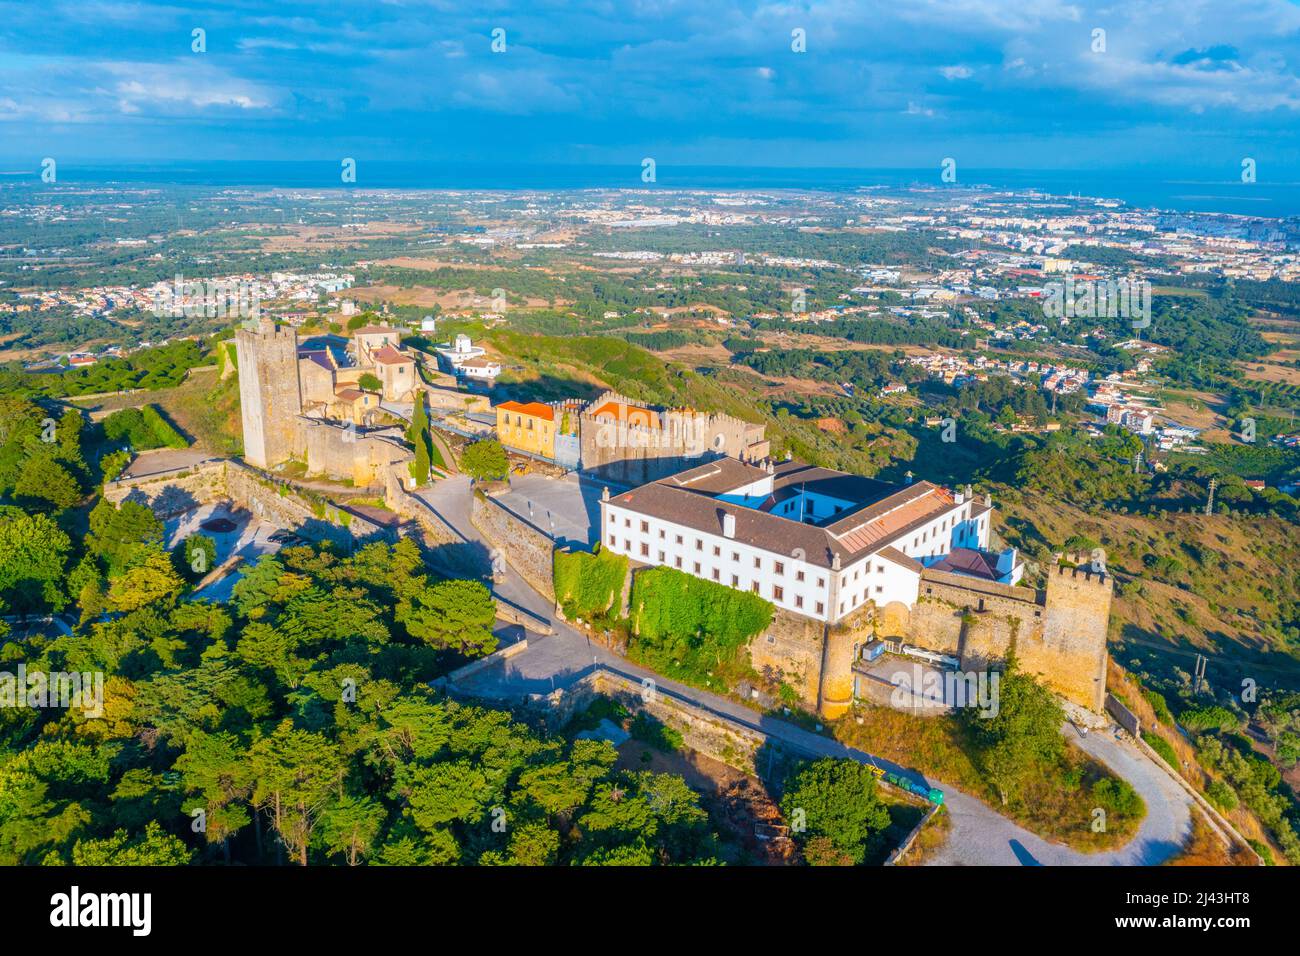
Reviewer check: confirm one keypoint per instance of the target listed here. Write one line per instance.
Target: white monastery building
(813, 541)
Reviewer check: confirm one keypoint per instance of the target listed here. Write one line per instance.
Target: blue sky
(993, 84)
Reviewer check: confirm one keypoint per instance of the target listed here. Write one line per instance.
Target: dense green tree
(33, 555)
(150, 578)
(154, 848)
(1025, 731)
(457, 615)
(117, 533)
(46, 483)
(296, 774)
(485, 460)
(837, 801)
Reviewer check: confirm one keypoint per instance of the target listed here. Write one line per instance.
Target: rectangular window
(798, 575)
(645, 550)
(717, 552)
(699, 545)
(879, 589)
(754, 587)
(645, 527)
(678, 561)
(821, 608)
(679, 539)
(735, 556)
(821, 582)
(697, 567)
(612, 519)
(661, 557)
(798, 600)
(758, 562)
(627, 522)
(779, 566)
(778, 593)
(612, 543)
(716, 575)
(735, 581)
(627, 546)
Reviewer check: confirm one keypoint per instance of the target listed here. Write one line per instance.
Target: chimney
(959, 497)
(988, 500)
(728, 525)
(604, 493)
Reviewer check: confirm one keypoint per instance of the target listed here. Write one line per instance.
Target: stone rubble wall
(524, 548)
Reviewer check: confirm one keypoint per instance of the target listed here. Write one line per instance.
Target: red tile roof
(533, 409)
(390, 356)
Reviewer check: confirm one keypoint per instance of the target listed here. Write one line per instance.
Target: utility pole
(1199, 676)
(1209, 503)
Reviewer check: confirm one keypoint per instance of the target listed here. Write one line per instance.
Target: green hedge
(1163, 747)
(692, 629)
(589, 584)
(1213, 717)
(143, 428)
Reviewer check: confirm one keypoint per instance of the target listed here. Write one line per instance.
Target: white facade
(789, 580)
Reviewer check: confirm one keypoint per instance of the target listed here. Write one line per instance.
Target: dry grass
(1056, 805)
(929, 841)
(1206, 848)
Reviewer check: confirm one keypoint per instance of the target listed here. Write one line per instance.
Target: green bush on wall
(589, 584)
(689, 628)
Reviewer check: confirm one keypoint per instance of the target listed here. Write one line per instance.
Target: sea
(1220, 191)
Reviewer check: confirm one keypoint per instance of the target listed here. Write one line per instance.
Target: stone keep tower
(1073, 646)
(269, 397)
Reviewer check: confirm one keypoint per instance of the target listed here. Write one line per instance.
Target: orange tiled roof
(631, 414)
(533, 409)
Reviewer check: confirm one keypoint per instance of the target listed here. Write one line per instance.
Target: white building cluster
(810, 540)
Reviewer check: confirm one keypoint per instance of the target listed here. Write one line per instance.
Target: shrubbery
(692, 629)
(587, 585)
(1163, 747)
(1210, 718)
(143, 428)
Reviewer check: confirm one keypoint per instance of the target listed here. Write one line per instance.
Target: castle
(847, 560)
(305, 401)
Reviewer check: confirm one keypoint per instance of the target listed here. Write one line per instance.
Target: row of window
(778, 592)
(778, 567)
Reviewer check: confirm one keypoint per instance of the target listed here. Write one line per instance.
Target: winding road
(979, 835)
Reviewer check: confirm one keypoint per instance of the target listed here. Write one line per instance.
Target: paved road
(450, 499)
(979, 835)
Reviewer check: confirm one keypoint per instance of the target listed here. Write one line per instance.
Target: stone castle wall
(1058, 635)
(636, 455)
(171, 493)
(790, 652)
(341, 452)
(525, 548)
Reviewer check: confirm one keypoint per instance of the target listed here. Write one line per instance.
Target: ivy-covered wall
(589, 584)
